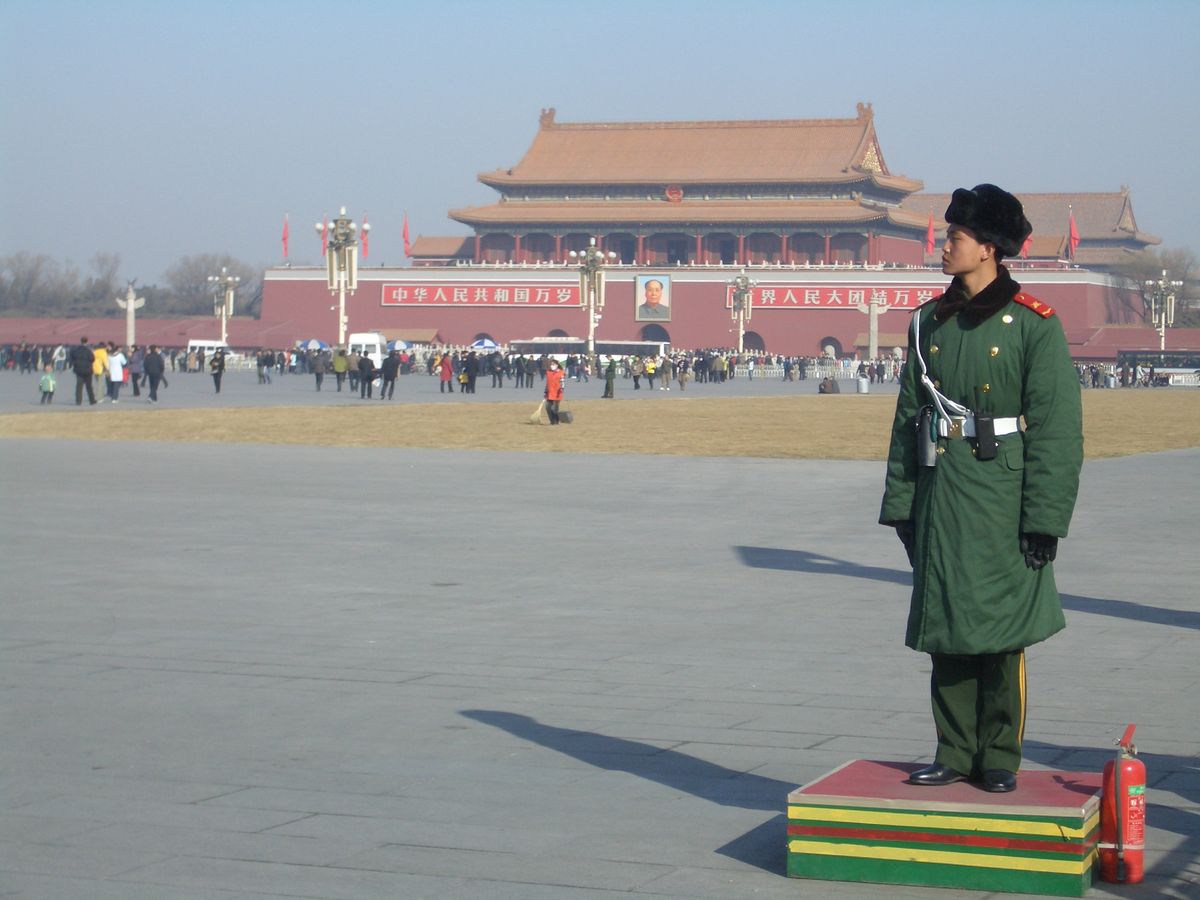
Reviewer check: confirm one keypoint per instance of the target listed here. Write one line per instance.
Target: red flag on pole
(407, 245)
(366, 233)
(285, 235)
(930, 239)
(1073, 234)
(325, 236)
(1025, 246)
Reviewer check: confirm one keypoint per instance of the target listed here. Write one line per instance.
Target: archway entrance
(655, 333)
(830, 343)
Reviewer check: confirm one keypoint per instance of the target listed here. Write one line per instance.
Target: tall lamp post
(341, 262)
(591, 286)
(1161, 296)
(742, 308)
(223, 287)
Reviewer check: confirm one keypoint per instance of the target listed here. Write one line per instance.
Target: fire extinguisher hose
(1117, 809)
(1124, 746)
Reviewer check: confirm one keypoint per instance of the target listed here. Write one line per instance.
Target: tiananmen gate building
(808, 208)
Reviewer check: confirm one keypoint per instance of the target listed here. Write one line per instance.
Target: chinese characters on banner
(836, 297)
(510, 293)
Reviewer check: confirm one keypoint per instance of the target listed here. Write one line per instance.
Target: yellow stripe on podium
(941, 857)
(951, 823)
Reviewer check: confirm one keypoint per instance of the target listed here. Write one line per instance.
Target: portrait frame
(649, 312)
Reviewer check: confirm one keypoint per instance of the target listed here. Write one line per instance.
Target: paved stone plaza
(264, 671)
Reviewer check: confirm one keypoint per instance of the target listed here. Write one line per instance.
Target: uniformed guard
(982, 476)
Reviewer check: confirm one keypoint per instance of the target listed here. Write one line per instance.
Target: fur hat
(994, 215)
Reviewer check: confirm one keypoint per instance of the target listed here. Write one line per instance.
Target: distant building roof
(698, 212)
(1098, 216)
(830, 151)
(441, 247)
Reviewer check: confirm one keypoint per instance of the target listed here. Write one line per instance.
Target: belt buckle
(955, 429)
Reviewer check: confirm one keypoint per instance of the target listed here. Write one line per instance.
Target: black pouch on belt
(985, 438)
(926, 438)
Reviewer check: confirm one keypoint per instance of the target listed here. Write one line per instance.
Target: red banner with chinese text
(837, 296)
(509, 293)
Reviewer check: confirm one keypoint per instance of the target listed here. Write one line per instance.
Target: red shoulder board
(1035, 304)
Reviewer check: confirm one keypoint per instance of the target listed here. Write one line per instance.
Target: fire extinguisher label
(1136, 826)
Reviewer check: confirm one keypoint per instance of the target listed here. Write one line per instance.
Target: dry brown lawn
(849, 426)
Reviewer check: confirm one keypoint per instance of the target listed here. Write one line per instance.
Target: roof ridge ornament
(546, 119)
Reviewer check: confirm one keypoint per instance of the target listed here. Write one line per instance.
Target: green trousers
(979, 710)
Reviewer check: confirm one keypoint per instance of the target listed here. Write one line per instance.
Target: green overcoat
(1005, 357)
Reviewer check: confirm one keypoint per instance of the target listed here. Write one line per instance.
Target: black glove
(907, 532)
(1038, 549)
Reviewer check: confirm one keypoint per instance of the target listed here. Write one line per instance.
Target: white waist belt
(964, 426)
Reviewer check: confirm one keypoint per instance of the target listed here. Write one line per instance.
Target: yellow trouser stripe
(942, 857)
(952, 823)
(1021, 683)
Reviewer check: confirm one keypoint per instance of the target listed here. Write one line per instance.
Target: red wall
(297, 305)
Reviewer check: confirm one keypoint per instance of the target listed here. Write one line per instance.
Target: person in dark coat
(81, 360)
(982, 476)
(316, 365)
(388, 371)
(154, 366)
(216, 366)
(366, 376)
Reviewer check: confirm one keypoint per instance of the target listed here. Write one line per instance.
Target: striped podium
(861, 822)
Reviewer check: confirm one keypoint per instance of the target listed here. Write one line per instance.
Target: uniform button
(973, 451)
(1006, 319)
(986, 388)
(934, 348)
(941, 450)
(995, 351)
(936, 383)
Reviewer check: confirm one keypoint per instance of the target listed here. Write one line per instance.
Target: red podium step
(861, 822)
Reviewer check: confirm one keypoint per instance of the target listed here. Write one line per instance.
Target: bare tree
(192, 293)
(36, 285)
(1148, 265)
(104, 283)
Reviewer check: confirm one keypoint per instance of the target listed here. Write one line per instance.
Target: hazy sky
(158, 130)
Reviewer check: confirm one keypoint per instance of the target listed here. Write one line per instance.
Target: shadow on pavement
(763, 846)
(820, 564)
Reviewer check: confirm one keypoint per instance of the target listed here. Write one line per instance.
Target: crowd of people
(460, 369)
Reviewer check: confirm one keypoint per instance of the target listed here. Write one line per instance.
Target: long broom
(535, 417)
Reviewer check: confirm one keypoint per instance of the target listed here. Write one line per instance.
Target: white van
(233, 360)
(370, 343)
(209, 347)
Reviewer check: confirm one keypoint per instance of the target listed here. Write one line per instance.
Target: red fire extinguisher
(1123, 815)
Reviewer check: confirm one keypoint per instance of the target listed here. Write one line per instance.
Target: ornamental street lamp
(742, 307)
(223, 286)
(341, 262)
(1161, 297)
(591, 286)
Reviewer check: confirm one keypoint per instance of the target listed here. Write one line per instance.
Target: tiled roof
(699, 212)
(1098, 216)
(442, 247)
(830, 151)
(1107, 339)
